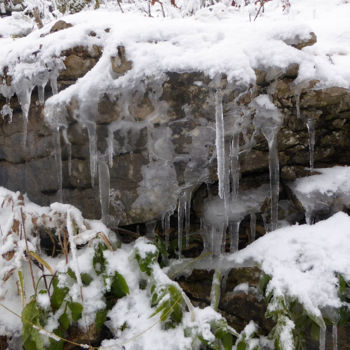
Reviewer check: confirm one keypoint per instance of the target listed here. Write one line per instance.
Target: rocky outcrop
(171, 143)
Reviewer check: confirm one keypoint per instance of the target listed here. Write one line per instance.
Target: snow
(304, 261)
(216, 40)
(327, 191)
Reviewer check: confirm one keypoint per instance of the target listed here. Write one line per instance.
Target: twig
(27, 250)
(121, 9)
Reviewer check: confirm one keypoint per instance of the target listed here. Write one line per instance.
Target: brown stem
(27, 250)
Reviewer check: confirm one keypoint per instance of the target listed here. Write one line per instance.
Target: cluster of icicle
(26, 75)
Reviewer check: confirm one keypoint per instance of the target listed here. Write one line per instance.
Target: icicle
(335, 336)
(309, 217)
(110, 145)
(184, 217)
(310, 123)
(69, 150)
(215, 292)
(180, 222)
(269, 119)
(166, 227)
(187, 209)
(322, 338)
(24, 95)
(270, 134)
(41, 94)
(53, 82)
(104, 187)
(252, 226)
(234, 235)
(91, 127)
(220, 143)
(235, 168)
(224, 279)
(58, 157)
(297, 103)
(151, 229)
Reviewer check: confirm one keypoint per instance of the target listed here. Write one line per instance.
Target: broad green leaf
(86, 279)
(76, 309)
(241, 345)
(101, 317)
(119, 286)
(99, 261)
(64, 321)
(58, 294)
(264, 280)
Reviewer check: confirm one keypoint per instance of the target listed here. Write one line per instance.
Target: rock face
(163, 139)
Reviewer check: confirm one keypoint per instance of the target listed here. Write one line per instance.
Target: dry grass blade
(41, 261)
(106, 241)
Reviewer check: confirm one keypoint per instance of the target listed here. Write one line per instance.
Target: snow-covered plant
(293, 320)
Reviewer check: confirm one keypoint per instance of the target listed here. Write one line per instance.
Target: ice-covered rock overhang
(125, 116)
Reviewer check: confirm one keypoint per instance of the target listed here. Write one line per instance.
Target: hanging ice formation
(252, 226)
(183, 218)
(91, 128)
(322, 341)
(69, 150)
(58, 157)
(220, 143)
(166, 226)
(335, 336)
(269, 119)
(104, 188)
(310, 123)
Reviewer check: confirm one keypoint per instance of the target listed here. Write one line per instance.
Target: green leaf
(76, 309)
(101, 317)
(315, 331)
(264, 280)
(86, 279)
(54, 344)
(317, 319)
(226, 339)
(99, 261)
(145, 263)
(64, 321)
(58, 294)
(31, 337)
(241, 345)
(170, 306)
(71, 274)
(344, 314)
(119, 286)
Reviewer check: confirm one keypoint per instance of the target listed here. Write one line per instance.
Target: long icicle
(104, 188)
(322, 339)
(252, 226)
(180, 223)
(58, 158)
(166, 227)
(69, 150)
(235, 167)
(310, 123)
(220, 143)
(234, 235)
(335, 336)
(187, 209)
(270, 134)
(91, 127)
